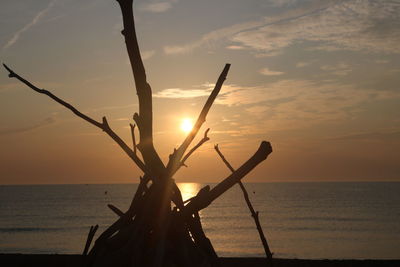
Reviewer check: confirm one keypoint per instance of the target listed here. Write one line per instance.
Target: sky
(318, 79)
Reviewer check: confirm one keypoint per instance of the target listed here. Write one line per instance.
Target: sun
(186, 125)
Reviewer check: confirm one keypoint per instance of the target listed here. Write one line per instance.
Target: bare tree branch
(254, 213)
(144, 119)
(205, 197)
(191, 151)
(104, 125)
(174, 162)
(116, 210)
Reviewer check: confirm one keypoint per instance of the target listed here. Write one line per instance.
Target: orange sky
(318, 79)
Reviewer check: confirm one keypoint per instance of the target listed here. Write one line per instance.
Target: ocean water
(300, 220)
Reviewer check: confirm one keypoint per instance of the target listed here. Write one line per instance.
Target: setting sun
(186, 125)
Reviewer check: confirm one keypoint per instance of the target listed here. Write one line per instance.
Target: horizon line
(251, 182)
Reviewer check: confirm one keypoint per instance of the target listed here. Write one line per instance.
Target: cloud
(257, 109)
(302, 64)
(8, 131)
(289, 104)
(382, 61)
(370, 136)
(212, 37)
(340, 69)
(280, 3)
(268, 72)
(158, 7)
(303, 99)
(32, 23)
(93, 110)
(367, 26)
(178, 93)
(9, 86)
(235, 47)
(147, 54)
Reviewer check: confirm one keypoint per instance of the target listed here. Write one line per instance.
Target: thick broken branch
(104, 125)
(254, 213)
(145, 117)
(174, 162)
(204, 199)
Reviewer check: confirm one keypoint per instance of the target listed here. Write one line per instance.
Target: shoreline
(71, 260)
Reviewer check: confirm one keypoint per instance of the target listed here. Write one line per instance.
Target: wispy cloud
(7, 131)
(235, 47)
(288, 104)
(302, 64)
(268, 72)
(280, 3)
(368, 26)
(382, 61)
(340, 69)
(110, 108)
(9, 86)
(148, 54)
(213, 36)
(183, 93)
(29, 25)
(370, 136)
(158, 7)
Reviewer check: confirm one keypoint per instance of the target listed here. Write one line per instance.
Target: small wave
(28, 229)
(330, 218)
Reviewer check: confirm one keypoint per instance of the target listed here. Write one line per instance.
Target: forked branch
(174, 162)
(199, 144)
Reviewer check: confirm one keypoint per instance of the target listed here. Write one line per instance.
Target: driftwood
(91, 234)
(254, 214)
(159, 228)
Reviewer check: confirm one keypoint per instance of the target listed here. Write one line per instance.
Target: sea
(329, 220)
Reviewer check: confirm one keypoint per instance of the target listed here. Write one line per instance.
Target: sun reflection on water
(188, 190)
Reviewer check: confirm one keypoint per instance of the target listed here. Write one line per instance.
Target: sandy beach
(44, 260)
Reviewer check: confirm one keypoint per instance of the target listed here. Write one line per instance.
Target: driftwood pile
(159, 228)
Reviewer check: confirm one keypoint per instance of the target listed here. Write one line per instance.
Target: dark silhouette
(159, 228)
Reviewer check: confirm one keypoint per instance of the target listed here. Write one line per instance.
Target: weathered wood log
(253, 213)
